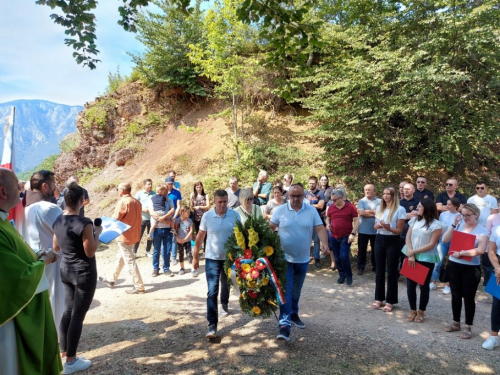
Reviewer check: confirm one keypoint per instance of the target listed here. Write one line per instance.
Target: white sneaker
(432, 286)
(181, 271)
(174, 261)
(79, 365)
(446, 289)
(194, 273)
(491, 343)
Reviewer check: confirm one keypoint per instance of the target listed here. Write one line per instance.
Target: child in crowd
(183, 236)
(159, 202)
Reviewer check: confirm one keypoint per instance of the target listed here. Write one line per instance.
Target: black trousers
(464, 280)
(411, 289)
(387, 253)
(79, 289)
(363, 240)
(146, 224)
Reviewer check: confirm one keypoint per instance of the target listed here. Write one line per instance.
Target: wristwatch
(353, 234)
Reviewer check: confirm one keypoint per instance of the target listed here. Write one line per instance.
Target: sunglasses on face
(420, 182)
(479, 187)
(449, 184)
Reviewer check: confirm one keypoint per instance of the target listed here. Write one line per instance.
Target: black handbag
(443, 272)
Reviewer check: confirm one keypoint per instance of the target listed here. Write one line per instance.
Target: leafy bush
(70, 142)
(96, 116)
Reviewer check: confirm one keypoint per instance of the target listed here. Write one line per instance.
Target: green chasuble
(20, 274)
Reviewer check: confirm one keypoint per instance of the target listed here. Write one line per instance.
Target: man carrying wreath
(218, 225)
(295, 222)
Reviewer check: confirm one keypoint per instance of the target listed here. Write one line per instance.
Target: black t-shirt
(424, 194)
(443, 198)
(409, 206)
(68, 230)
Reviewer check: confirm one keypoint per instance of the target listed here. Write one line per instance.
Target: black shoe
(134, 291)
(284, 333)
(360, 272)
(109, 284)
(317, 263)
(297, 322)
(212, 331)
(155, 273)
(349, 280)
(341, 279)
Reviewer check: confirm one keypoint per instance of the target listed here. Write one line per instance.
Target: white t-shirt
(447, 219)
(495, 237)
(398, 215)
(421, 236)
(485, 205)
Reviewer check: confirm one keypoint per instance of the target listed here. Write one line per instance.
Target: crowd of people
(405, 227)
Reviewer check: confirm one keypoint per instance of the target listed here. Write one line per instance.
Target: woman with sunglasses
(421, 247)
(247, 208)
(464, 275)
(389, 223)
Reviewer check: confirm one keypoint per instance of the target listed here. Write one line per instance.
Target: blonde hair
(393, 205)
(245, 194)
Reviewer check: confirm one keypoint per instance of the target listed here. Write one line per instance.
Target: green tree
(167, 37)
(220, 55)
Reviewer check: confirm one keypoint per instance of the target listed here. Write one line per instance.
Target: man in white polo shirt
(218, 225)
(295, 222)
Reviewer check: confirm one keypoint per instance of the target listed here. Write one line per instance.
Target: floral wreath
(255, 265)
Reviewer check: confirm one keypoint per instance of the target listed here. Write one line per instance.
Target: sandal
(453, 327)
(420, 316)
(466, 333)
(333, 268)
(388, 307)
(412, 316)
(376, 305)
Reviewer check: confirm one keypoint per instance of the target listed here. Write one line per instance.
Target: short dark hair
(147, 180)
(220, 193)
(41, 177)
(481, 183)
(314, 178)
(456, 202)
(73, 194)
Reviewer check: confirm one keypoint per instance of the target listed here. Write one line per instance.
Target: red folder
(418, 273)
(462, 241)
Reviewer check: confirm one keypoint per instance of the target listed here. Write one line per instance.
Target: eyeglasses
(479, 187)
(297, 196)
(420, 182)
(467, 215)
(449, 184)
(335, 200)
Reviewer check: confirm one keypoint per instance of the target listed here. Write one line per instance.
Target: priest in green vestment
(28, 336)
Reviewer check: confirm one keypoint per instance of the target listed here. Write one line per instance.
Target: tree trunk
(234, 109)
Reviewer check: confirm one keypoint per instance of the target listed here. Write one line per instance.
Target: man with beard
(36, 228)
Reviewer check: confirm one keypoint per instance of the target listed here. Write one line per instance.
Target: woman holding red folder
(494, 254)
(464, 275)
(421, 247)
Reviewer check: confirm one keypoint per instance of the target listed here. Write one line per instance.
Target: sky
(36, 64)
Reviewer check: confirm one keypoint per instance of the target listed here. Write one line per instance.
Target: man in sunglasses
(422, 192)
(486, 203)
(451, 191)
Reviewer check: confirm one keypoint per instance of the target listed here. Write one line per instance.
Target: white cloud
(36, 64)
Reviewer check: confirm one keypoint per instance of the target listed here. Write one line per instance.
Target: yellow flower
(256, 310)
(238, 280)
(231, 257)
(249, 277)
(229, 273)
(251, 284)
(271, 302)
(253, 237)
(265, 281)
(268, 251)
(246, 267)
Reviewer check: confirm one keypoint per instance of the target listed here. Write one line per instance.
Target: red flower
(252, 294)
(243, 274)
(254, 272)
(260, 266)
(237, 263)
(247, 254)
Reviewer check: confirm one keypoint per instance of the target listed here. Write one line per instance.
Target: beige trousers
(126, 256)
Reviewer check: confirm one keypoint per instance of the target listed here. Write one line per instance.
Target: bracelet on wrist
(453, 226)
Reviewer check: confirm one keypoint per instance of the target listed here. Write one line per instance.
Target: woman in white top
(421, 247)
(287, 181)
(446, 218)
(494, 255)
(278, 200)
(464, 275)
(247, 207)
(389, 223)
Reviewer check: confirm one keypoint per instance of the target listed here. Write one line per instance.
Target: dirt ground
(163, 331)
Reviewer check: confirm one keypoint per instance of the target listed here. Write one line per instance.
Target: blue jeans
(174, 247)
(315, 239)
(341, 251)
(214, 272)
(442, 250)
(295, 276)
(162, 241)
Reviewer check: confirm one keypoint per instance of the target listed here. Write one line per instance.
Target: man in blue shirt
(217, 224)
(175, 196)
(262, 189)
(296, 223)
(316, 199)
(367, 208)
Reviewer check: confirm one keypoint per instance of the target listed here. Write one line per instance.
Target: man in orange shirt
(128, 210)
